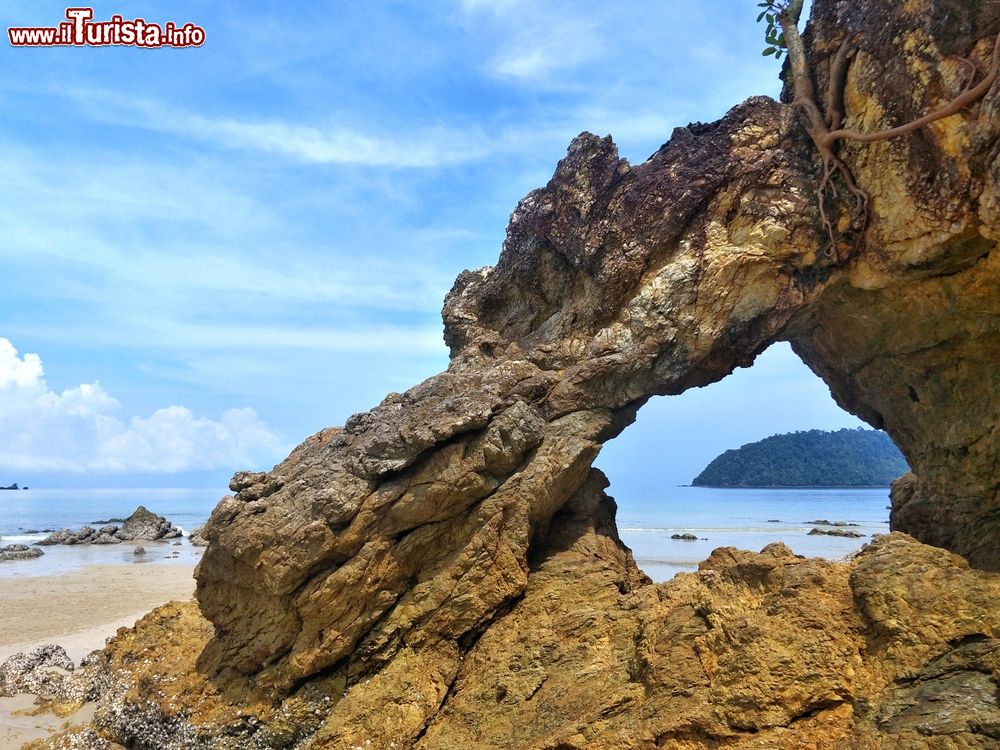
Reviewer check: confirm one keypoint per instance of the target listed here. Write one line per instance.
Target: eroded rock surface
(444, 571)
(897, 649)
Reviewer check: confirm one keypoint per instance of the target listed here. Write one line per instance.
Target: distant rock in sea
(836, 532)
(142, 525)
(19, 552)
(12, 487)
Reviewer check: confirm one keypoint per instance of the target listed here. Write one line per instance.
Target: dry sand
(78, 610)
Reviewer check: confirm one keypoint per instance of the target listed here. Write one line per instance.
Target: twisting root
(972, 70)
(835, 89)
(956, 105)
(826, 129)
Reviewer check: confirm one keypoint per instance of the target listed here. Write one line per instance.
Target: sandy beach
(78, 610)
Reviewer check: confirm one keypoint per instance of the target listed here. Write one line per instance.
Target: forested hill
(814, 458)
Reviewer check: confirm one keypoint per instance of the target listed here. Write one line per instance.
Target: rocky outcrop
(444, 571)
(836, 532)
(32, 672)
(142, 525)
(147, 526)
(18, 552)
(897, 649)
(196, 539)
(415, 521)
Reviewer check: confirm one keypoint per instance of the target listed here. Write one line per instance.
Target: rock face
(444, 570)
(141, 525)
(897, 649)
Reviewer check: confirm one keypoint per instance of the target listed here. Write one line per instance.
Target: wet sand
(75, 608)
(78, 610)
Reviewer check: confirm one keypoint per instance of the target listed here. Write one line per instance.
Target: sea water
(744, 518)
(25, 514)
(747, 519)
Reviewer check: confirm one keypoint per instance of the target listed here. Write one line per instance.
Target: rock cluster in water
(444, 571)
(19, 552)
(141, 525)
(836, 532)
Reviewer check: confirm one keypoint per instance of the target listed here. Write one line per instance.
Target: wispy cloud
(80, 429)
(535, 40)
(425, 146)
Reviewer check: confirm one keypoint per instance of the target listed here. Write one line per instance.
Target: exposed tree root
(826, 129)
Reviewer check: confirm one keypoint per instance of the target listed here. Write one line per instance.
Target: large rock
(415, 521)
(34, 672)
(444, 571)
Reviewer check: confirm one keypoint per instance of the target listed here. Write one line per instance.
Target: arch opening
(651, 466)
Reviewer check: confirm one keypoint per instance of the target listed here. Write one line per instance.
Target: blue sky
(212, 253)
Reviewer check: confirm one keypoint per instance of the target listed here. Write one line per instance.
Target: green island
(810, 458)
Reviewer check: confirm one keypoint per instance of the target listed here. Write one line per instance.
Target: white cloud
(536, 40)
(326, 143)
(80, 430)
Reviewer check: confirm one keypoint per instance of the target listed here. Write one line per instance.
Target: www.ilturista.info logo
(80, 30)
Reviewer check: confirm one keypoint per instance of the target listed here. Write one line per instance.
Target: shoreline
(74, 608)
(79, 610)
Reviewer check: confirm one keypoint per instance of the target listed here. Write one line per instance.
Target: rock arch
(446, 566)
(416, 522)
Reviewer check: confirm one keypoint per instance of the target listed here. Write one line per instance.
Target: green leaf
(762, 13)
(770, 18)
(769, 51)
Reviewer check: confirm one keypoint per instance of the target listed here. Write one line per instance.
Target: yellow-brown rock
(444, 570)
(900, 648)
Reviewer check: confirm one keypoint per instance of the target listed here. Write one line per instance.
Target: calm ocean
(749, 519)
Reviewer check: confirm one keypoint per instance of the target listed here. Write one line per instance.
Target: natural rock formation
(31, 672)
(836, 532)
(444, 571)
(196, 539)
(146, 525)
(18, 552)
(897, 649)
(141, 525)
